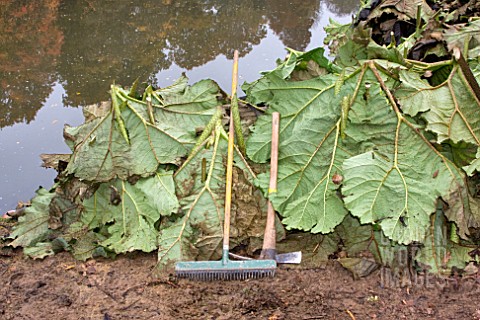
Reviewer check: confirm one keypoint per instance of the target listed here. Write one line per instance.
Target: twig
(111, 296)
(467, 72)
(252, 105)
(236, 256)
(419, 21)
(129, 305)
(6, 269)
(350, 314)
(135, 287)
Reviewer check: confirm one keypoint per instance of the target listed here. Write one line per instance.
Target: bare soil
(60, 287)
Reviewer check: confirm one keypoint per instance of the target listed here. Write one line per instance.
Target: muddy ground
(60, 287)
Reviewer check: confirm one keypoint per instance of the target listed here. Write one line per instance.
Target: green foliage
(367, 124)
(199, 231)
(126, 141)
(177, 210)
(309, 153)
(466, 38)
(130, 212)
(440, 253)
(451, 109)
(120, 152)
(32, 228)
(378, 154)
(393, 175)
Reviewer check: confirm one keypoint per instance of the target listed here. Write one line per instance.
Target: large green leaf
(314, 141)
(355, 238)
(198, 232)
(451, 109)
(402, 10)
(183, 98)
(439, 253)
(398, 182)
(336, 35)
(296, 61)
(185, 111)
(134, 136)
(299, 60)
(32, 227)
(131, 211)
(309, 151)
(312, 150)
(464, 37)
(399, 176)
(416, 95)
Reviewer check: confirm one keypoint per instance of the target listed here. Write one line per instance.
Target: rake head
(229, 270)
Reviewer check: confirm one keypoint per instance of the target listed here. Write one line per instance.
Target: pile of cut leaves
(379, 155)
(146, 173)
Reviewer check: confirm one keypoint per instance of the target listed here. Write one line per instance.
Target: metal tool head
(290, 257)
(284, 258)
(231, 270)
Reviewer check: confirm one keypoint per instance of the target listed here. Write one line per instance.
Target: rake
(227, 269)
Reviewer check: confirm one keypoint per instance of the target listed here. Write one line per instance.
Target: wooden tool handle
(228, 184)
(269, 241)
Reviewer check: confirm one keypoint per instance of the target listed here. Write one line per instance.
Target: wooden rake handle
(228, 184)
(269, 241)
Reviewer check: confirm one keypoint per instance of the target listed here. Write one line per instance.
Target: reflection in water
(215, 28)
(55, 51)
(292, 21)
(87, 45)
(106, 42)
(341, 7)
(30, 43)
(150, 37)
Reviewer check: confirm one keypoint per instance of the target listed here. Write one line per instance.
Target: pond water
(56, 56)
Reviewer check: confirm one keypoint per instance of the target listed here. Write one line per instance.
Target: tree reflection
(292, 21)
(214, 28)
(106, 42)
(145, 38)
(88, 44)
(30, 43)
(342, 7)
